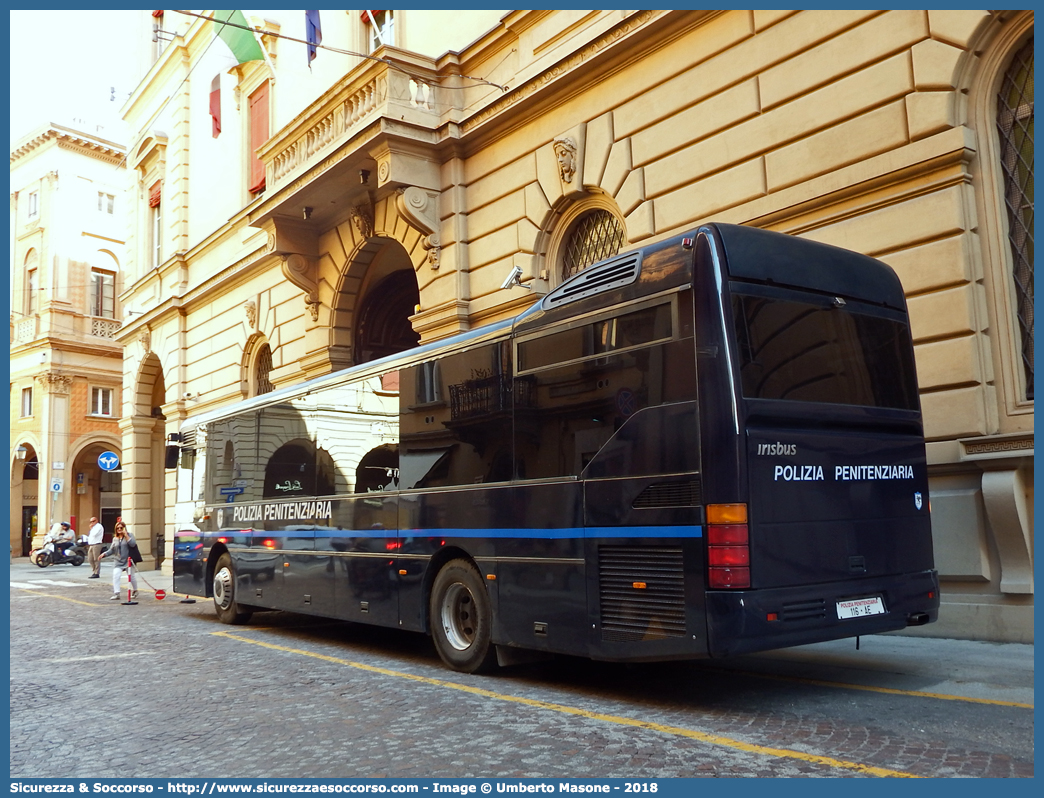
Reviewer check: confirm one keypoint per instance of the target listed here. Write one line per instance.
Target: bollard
(130, 591)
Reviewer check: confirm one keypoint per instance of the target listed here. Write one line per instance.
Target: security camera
(514, 278)
(187, 395)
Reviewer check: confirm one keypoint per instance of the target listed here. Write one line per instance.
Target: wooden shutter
(258, 136)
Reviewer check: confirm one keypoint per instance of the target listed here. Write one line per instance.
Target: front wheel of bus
(228, 611)
(461, 618)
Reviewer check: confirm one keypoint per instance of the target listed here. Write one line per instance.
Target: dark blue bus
(708, 446)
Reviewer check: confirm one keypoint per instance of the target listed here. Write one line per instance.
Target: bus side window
(467, 439)
(357, 437)
(639, 449)
(565, 415)
(231, 459)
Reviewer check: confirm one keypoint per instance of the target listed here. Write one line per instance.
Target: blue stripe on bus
(538, 534)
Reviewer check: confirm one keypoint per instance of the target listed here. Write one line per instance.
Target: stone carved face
(565, 152)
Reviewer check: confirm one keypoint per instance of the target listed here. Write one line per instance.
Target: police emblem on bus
(221, 519)
(917, 500)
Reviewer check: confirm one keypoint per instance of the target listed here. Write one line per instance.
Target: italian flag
(241, 42)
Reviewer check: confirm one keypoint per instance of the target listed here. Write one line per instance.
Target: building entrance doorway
(384, 320)
(29, 521)
(108, 520)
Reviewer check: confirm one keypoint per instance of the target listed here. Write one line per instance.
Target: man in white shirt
(95, 546)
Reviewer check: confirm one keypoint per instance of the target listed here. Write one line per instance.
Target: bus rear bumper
(744, 621)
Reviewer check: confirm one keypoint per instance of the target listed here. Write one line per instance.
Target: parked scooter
(52, 554)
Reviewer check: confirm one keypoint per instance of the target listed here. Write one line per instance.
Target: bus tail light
(728, 555)
(728, 546)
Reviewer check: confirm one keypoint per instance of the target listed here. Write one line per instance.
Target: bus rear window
(804, 352)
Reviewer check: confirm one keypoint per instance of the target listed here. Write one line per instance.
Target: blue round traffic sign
(109, 461)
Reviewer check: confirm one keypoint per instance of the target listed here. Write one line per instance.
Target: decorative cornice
(559, 70)
(997, 446)
(69, 139)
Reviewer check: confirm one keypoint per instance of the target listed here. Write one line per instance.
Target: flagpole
(256, 30)
(376, 28)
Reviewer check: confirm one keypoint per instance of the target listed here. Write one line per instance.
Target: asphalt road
(161, 689)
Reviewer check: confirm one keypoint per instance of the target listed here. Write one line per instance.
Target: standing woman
(120, 548)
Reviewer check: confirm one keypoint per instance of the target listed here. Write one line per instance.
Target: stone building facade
(325, 212)
(67, 207)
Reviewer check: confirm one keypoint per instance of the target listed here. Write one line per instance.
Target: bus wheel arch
(228, 609)
(461, 617)
(212, 559)
(436, 564)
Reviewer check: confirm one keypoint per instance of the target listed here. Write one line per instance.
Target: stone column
(54, 388)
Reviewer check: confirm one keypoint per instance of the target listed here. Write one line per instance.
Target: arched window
(594, 236)
(262, 370)
(1015, 131)
(32, 284)
(998, 85)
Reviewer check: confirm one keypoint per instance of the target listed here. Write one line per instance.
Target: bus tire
(462, 619)
(228, 609)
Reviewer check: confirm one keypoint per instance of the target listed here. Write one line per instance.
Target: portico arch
(26, 495)
(379, 284)
(144, 431)
(96, 492)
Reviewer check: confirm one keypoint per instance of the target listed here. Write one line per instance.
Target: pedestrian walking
(95, 544)
(120, 548)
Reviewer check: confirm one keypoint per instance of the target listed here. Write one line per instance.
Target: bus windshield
(814, 350)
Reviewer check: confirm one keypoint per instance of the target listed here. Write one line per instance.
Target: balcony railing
(25, 329)
(105, 328)
(488, 395)
(378, 90)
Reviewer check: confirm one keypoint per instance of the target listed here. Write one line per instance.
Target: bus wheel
(461, 618)
(228, 611)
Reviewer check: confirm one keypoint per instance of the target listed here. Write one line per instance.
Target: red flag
(215, 105)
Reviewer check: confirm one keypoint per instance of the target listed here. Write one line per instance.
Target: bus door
(643, 527)
(294, 582)
(363, 545)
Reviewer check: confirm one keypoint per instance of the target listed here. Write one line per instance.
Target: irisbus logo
(777, 448)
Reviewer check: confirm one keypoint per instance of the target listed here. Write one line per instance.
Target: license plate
(860, 607)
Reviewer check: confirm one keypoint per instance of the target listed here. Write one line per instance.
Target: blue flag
(313, 33)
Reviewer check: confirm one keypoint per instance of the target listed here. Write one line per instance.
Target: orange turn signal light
(726, 513)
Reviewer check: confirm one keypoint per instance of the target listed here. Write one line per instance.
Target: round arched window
(595, 236)
(262, 369)
(1015, 127)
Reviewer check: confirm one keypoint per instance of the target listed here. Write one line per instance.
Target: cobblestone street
(162, 689)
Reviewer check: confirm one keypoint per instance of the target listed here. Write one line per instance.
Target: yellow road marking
(872, 689)
(713, 739)
(63, 598)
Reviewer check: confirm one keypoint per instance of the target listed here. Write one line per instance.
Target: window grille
(596, 236)
(1015, 125)
(264, 368)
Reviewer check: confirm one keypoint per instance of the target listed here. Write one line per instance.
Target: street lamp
(21, 452)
